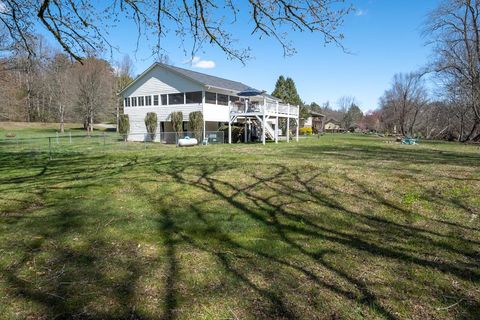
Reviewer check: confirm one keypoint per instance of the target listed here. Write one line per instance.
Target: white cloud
(361, 12)
(198, 62)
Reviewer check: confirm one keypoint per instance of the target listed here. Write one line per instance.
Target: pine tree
(280, 89)
(286, 90)
(292, 95)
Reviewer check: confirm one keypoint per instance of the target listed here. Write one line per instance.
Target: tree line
(451, 110)
(50, 86)
(448, 110)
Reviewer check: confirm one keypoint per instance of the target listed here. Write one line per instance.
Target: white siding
(218, 113)
(161, 81)
(137, 115)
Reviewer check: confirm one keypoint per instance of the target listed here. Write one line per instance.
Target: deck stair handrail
(269, 131)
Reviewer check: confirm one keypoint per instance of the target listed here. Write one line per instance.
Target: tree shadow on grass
(289, 225)
(305, 263)
(372, 153)
(68, 272)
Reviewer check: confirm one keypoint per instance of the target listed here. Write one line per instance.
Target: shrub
(237, 133)
(151, 123)
(176, 118)
(306, 131)
(196, 124)
(123, 125)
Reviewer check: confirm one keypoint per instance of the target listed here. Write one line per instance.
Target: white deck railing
(270, 108)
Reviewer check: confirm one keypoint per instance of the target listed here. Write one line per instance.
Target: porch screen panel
(222, 99)
(194, 97)
(175, 98)
(210, 97)
(164, 100)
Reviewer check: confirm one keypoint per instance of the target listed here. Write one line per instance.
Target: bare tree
(454, 31)
(81, 26)
(402, 103)
(95, 96)
(124, 75)
(61, 88)
(345, 102)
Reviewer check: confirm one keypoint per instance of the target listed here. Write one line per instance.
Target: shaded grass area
(341, 227)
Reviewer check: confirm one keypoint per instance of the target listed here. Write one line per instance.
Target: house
(332, 125)
(315, 121)
(164, 89)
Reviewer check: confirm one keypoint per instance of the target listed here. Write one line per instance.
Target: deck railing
(269, 108)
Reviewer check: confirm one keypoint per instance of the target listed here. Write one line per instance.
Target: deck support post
(298, 120)
(245, 140)
(204, 131)
(203, 116)
(263, 120)
(276, 122)
(229, 132)
(288, 123)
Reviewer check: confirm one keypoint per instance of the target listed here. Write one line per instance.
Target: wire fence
(70, 143)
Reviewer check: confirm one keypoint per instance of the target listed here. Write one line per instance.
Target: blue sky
(384, 37)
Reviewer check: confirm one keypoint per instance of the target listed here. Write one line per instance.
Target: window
(127, 102)
(211, 97)
(176, 98)
(194, 97)
(222, 99)
(134, 101)
(141, 101)
(155, 100)
(233, 99)
(164, 99)
(148, 100)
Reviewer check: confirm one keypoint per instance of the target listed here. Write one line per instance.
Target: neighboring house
(164, 89)
(314, 121)
(332, 125)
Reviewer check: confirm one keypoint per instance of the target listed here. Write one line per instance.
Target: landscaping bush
(176, 118)
(123, 126)
(196, 124)
(305, 131)
(151, 123)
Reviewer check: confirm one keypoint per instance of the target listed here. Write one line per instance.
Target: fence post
(56, 133)
(70, 135)
(104, 139)
(50, 148)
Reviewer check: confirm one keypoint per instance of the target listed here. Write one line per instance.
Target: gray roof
(208, 80)
(202, 78)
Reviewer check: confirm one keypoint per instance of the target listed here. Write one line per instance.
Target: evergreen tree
(292, 95)
(352, 117)
(286, 90)
(280, 89)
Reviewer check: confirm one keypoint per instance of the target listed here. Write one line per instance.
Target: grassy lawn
(341, 227)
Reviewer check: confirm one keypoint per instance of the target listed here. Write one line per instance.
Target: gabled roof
(316, 114)
(201, 78)
(208, 80)
(332, 120)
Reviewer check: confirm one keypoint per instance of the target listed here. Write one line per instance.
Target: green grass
(341, 227)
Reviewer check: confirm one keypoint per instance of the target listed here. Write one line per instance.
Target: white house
(164, 89)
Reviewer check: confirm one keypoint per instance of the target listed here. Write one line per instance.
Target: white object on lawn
(187, 142)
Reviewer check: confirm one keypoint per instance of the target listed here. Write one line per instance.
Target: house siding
(158, 81)
(161, 81)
